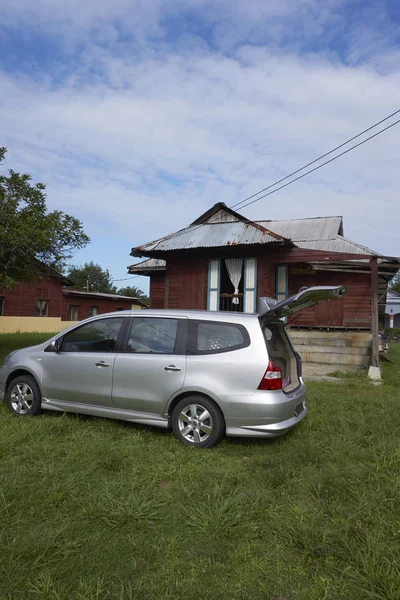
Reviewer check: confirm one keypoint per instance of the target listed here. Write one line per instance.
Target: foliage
(310, 516)
(93, 278)
(392, 332)
(133, 292)
(28, 233)
(395, 283)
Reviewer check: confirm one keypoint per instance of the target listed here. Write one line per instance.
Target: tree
(93, 278)
(133, 292)
(395, 283)
(32, 239)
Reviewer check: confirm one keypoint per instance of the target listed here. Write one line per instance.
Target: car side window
(213, 337)
(97, 336)
(152, 335)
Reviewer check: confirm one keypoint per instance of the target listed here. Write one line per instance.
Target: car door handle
(172, 368)
(101, 363)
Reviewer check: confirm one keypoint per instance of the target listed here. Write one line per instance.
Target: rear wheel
(198, 422)
(23, 396)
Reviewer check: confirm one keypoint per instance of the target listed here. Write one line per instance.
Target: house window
(281, 282)
(93, 311)
(1, 306)
(42, 308)
(72, 312)
(232, 285)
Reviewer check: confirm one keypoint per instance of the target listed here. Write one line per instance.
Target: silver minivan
(205, 374)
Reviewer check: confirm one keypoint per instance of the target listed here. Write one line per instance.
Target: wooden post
(373, 261)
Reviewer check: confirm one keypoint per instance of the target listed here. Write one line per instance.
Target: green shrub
(392, 332)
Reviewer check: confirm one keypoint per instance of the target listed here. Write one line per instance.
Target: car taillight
(272, 379)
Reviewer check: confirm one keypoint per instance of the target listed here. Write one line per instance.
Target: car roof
(191, 314)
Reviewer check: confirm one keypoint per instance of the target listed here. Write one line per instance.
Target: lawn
(98, 509)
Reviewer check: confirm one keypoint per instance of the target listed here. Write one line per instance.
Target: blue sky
(139, 115)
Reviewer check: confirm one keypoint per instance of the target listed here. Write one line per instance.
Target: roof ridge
(301, 219)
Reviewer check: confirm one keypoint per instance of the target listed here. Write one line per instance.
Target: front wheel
(23, 396)
(198, 422)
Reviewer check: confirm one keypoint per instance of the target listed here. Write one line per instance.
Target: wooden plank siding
(157, 289)
(103, 305)
(186, 283)
(265, 278)
(353, 311)
(20, 301)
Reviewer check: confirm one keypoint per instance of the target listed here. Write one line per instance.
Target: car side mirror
(55, 345)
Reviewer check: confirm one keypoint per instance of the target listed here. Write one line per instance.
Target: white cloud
(138, 144)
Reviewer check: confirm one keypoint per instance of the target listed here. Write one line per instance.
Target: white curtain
(234, 266)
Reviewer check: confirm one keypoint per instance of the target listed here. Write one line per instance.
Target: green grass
(98, 509)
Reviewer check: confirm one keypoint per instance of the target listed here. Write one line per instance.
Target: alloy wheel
(195, 423)
(22, 398)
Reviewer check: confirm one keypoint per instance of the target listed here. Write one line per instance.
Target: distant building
(392, 310)
(27, 306)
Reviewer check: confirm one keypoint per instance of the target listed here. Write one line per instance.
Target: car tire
(23, 396)
(198, 422)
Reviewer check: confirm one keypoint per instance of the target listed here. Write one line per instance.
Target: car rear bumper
(270, 418)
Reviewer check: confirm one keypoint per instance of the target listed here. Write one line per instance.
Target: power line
(127, 278)
(134, 276)
(317, 159)
(322, 165)
(244, 202)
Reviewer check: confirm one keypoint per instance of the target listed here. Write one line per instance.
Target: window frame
(192, 337)
(40, 316)
(77, 312)
(96, 309)
(2, 303)
(118, 343)
(180, 342)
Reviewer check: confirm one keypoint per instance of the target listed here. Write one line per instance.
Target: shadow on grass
(234, 441)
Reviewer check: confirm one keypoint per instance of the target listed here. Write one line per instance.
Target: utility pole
(374, 370)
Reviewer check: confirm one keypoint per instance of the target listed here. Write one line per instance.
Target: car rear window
(213, 337)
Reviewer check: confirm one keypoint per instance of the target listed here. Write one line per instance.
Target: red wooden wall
(185, 281)
(20, 301)
(157, 289)
(104, 305)
(354, 310)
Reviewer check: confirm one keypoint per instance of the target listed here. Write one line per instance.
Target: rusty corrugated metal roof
(339, 244)
(212, 236)
(303, 230)
(151, 264)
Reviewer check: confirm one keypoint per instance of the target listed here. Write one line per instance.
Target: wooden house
(224, 261)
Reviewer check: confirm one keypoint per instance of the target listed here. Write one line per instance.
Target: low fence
(33, 324)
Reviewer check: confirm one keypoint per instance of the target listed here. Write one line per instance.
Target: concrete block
(303, 348)
(374, 373)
